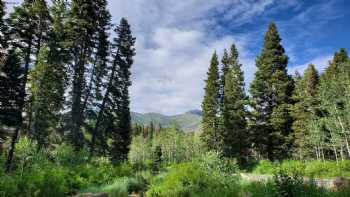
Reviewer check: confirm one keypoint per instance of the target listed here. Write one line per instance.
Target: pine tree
(113, 120)
(304, 109)
(48, 79)
(234, 112)
(211, 105)
(81, 29)
(124, 57)
(12, 95)
(225, 63)
(11, 92)
(28, 30)
(271, 91)
(339, 60)
(98, 72)
(47, 89)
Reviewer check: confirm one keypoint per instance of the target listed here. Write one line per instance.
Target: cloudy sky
(175, 39)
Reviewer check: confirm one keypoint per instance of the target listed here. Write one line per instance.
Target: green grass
(269, 189)
(312, 168)
(119, 188)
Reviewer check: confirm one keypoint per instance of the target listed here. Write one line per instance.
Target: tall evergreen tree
(28, 24)
(234, 112)
(271, 91)
(125, 53)
(98, 71)
(211, 105)
(12, 95)
(339, 60)
(48, 78)
(304, 109)
(28, 29)
(225, 63)
(48, 85)
(11, 92)
(81, 31)
(113, 120)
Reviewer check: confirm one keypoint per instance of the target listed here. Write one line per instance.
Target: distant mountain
(189, 121)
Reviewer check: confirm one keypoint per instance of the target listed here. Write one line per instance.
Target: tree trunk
(347, 145)
(12, 149)
(343, 132)
(341, 152)
(322, 154)
(335, 154)
(78, 86)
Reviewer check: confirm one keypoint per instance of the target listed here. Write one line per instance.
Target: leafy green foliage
(59, 172)
(312, 168)
(192, 179)
(175, 145)
(121, 187)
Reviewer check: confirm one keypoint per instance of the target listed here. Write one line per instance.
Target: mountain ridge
(188, 121)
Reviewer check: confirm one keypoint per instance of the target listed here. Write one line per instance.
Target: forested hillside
(66, 127)
(189, 121)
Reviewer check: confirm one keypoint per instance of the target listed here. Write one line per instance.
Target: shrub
(121, 187)
(287, 186)
(66, 156)
(312, 168)
(35, 183)
(191, 179)
(265, 167)
(258, 189)
(213, 161)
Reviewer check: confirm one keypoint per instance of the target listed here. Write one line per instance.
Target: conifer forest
(67, 127)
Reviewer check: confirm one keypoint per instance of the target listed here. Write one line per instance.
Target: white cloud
(175, 40)
(320, 62)
(169, 77)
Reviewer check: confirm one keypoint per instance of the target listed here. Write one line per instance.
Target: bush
(66, 156)
(287, 186)
(35, 183)
(121, 187)
(258, 189)
(213, 161)
(312, 168)
(327, 169)
(59, 172)
(265, 167)
(192, 179)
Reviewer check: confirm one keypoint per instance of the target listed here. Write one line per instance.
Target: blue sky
(175, 40)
